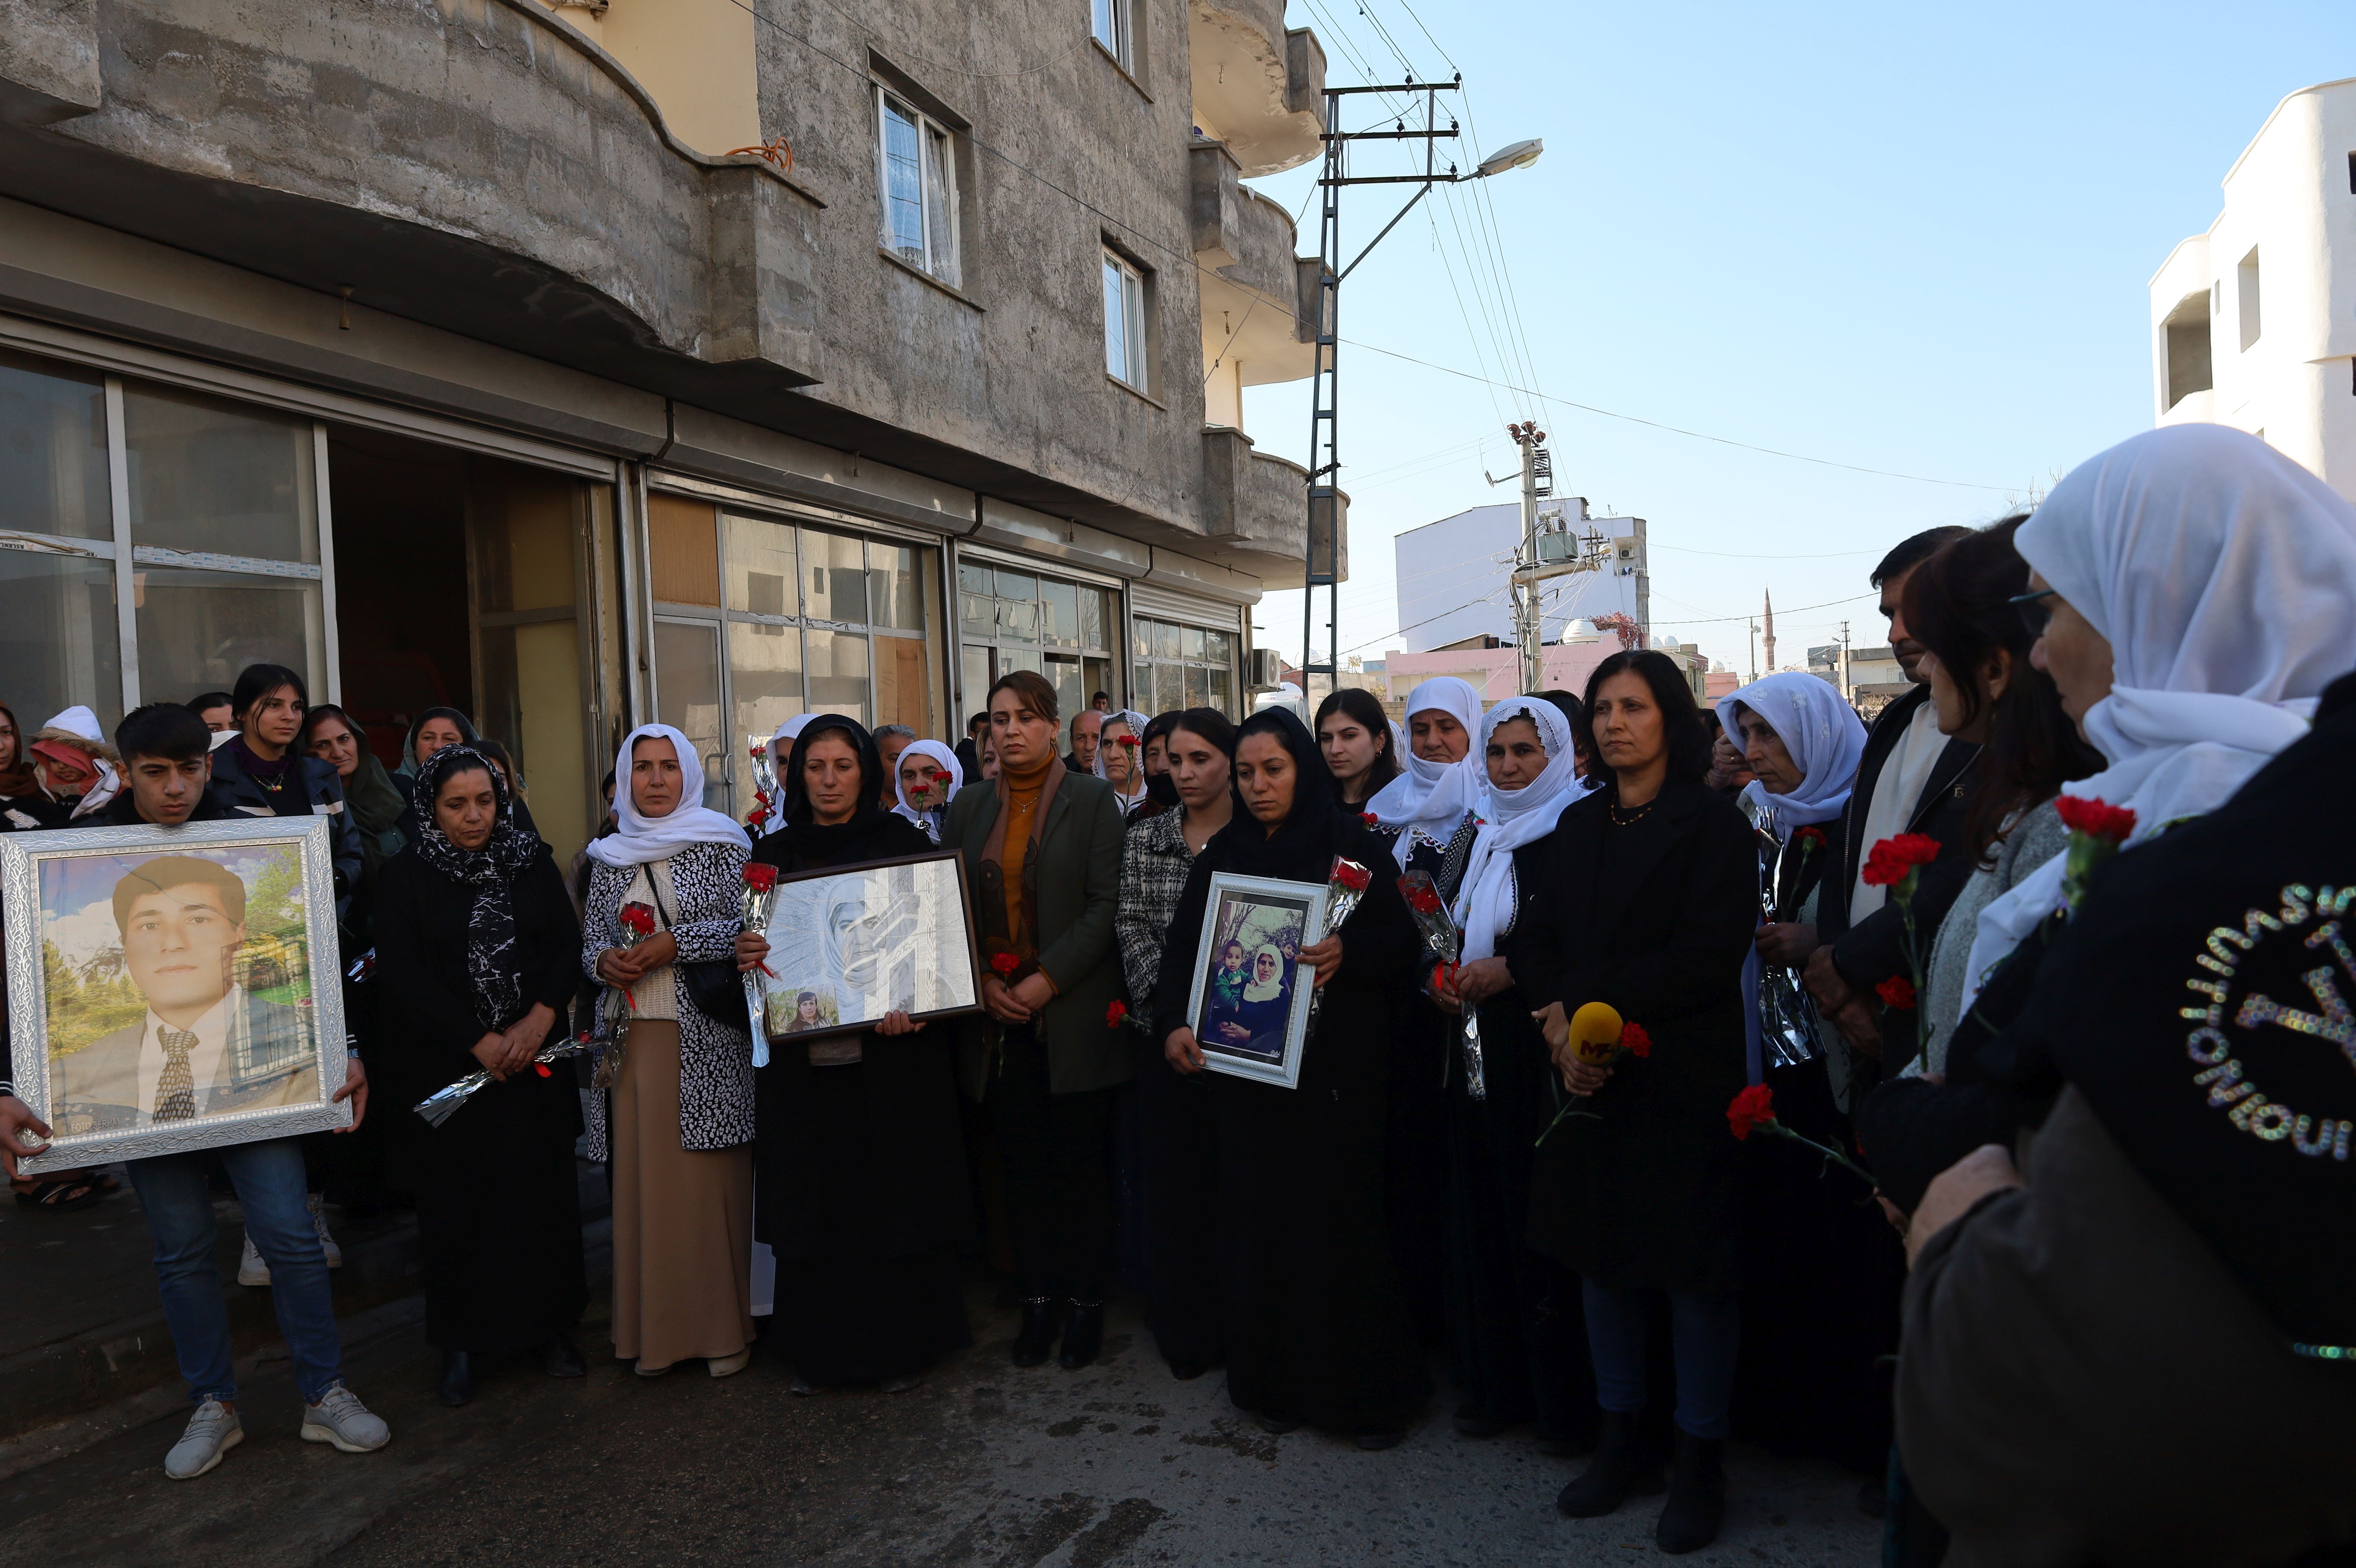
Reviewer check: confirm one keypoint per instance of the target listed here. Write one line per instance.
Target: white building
(2253, 324)
(1452, 575)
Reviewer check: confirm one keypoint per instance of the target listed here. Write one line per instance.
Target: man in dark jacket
(1912, 779)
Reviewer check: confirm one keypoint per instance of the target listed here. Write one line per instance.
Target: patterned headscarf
(488, 873)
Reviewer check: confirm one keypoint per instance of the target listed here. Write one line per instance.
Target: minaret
(1767, 635)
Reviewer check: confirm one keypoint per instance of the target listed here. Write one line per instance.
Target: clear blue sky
(1884, 236)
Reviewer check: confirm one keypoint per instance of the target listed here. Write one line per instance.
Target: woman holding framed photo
(859, 1165)
(1312, 1319)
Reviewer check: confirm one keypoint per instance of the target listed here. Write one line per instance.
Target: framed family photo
(173, 989)
(1250, 1004)
(850, 943)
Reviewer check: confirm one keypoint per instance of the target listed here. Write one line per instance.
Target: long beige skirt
(682, 1221)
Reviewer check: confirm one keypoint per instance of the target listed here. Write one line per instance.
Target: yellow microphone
(1595, 1033)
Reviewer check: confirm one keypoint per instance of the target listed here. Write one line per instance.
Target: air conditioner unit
(1263, 670)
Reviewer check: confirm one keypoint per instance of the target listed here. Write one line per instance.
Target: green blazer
(1079, 884)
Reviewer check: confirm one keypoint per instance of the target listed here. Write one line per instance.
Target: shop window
(1183, 666)
(1052, 625)
(60, 640)
(53, 451)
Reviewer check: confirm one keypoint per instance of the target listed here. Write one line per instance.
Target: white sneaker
(250, 1269)
(326, 1243)
(212, 1432)
(341, 1419)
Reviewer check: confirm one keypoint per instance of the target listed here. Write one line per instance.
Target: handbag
(713, 984)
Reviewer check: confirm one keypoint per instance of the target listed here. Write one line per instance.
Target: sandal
(72, 1192)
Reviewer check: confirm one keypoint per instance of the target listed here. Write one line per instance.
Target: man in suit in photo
(206, 1044)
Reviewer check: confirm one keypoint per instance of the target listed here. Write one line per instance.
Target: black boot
(458, 1377)
(1038, 1331)
(1083, 1334)
(1620, 1467)
(1696, 1495)
(562, 1358)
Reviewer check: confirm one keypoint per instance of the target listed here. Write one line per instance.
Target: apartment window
(2187, 334)
(918, 163)
(1183, 667)
(2246, 276)
(1125, 322)
(1111, 22)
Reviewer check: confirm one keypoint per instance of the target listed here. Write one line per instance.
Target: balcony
(1258, 296)
(483, 167)
(1258, 87)
(1256, 510)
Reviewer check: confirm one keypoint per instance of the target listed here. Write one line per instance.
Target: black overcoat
(1653, 916)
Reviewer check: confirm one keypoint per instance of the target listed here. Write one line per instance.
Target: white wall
(1453, 576)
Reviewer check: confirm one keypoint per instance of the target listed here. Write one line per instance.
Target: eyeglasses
(2035, 613)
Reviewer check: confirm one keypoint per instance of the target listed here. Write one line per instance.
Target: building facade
(676, 359)
(2253, 323)
(1453, 575)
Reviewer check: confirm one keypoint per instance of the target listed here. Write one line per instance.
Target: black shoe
(1277, 1423)
(1376, 1439)
(1696, 1495)
(1083, 1334)
(1620, 1467)
(458, 1377)
(1187, 1372)
(563, 1359)
(1873, 1497)
(1038, 1332)
(1475, 1423)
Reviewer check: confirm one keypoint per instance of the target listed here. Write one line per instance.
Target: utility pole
(1553, 553)
(1849, 692)
(1322, 565)
(1755, 650)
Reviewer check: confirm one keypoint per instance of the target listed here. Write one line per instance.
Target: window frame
(1136, 300)
(1142, 665)
(943, 259)
(1117, 18)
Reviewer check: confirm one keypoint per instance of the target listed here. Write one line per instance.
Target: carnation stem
(1830, 1153)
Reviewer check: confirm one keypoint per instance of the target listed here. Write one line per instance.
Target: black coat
(1653, 917)
(497, 1200)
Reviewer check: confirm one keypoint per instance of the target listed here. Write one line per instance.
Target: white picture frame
(1247, 1036)
(244, 946)
(850, 944)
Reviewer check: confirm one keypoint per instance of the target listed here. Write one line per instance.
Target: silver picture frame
(253, 972)
(850, 944)
(1260, 1037)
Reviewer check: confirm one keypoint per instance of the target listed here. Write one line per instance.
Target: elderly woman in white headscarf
(2192, 586)
(1514, 1339)
(1116, 762)
(1430, 811)
(678, 1119)
(928, 775)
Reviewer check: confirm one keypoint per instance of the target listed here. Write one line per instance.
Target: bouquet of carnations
(1599, 1038)
(760, 893)
(439, 1106)
(1429, 912)
(1348, 881)
(765, 791)
(614, 1009)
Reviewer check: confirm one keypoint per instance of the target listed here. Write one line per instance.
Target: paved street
(982, 1464)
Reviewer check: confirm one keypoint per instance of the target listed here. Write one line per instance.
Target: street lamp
(1520, 156)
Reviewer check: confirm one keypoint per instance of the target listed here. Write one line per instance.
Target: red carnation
(1004, 963)
(1890, 861)
(1114, 1012)
(760, 876)
(1898, 991)
(1751, 1109)
(2097, 819)
(639, 918)
(1129, 740)
(1635, 1040)
(1349, 874)
(1811, 836)
(1370, 819)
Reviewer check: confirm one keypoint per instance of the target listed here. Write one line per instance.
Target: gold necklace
(1619, 821)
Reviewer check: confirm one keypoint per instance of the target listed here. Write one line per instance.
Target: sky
(1907, 239)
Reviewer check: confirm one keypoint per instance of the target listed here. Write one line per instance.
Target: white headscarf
(2221, 573)
(791, 730)
(1256, 989)
(930, 821)
(1435, 797)
(1823, 734)
(1484, 903)
(78, 721)
(645, 839)
(1137, 723)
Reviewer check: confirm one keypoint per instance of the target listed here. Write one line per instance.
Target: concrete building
(1452, 575)
(584, 364)
(2253, 323)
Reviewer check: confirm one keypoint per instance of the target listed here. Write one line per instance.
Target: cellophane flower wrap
(443, 1103)
(1347, 881)
(759, 897)
(616, 1007)
(1897, 863)
(765, 788)
(1442, 938)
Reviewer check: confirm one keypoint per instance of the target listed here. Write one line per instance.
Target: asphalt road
(984, 1464)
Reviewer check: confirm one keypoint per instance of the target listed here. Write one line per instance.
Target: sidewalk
(80, 1326)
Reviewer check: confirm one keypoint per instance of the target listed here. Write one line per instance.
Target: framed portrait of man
(850, 943)
(1249, 1002)
(173, 989)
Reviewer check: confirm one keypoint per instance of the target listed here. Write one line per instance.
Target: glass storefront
(758, 619)
(1012, 618)
(1179, 666)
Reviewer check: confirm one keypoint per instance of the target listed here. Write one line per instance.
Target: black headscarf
(489, 873)
(1303, 848)
(861, 837)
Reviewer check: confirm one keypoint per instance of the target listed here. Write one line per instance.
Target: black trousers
(1054, 1149)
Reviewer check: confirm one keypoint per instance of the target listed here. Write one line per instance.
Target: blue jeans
(1703, 1330)
(268, 1177)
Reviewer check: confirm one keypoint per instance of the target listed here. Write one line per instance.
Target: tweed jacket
(715, 1055)
(1153, 866)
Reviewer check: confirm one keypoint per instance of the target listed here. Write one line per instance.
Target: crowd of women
(1845, 935)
